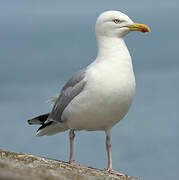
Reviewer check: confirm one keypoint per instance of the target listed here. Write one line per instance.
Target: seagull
(99, 95)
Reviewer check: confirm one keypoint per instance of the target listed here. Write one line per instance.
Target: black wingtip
(45, 125)
(39, 119)
(34, 121)
(29, 122)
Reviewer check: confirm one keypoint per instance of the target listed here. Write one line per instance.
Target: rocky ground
(21, 166)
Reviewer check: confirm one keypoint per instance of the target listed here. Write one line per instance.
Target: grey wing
(72, 88)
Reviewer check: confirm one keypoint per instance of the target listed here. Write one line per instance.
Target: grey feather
(79, 76)
(72, 88)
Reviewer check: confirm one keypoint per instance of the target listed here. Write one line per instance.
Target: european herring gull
(98, 96)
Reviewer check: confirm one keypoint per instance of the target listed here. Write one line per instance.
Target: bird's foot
(73, 162)
(111, 171)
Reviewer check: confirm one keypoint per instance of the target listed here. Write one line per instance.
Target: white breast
(107, 95)
(104, 101)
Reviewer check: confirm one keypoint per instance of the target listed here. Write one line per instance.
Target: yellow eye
(116, 21)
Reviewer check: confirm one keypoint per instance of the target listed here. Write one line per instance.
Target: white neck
(112, 48)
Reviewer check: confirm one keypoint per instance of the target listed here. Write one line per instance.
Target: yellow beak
(139, 27)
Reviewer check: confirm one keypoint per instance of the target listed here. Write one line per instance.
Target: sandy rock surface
(21, 166)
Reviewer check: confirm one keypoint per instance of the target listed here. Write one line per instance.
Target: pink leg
(72, 160)
(71, 137)
(108, 148)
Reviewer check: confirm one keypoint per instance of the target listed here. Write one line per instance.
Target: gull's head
(117, 24)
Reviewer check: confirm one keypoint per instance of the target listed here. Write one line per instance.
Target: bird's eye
(116, 21)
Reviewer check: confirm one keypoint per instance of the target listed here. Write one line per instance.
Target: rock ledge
(21, 166)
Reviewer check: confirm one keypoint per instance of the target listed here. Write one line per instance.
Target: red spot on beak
(144, 30)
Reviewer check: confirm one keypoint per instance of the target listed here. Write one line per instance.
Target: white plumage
(109, 91)
(99, 96)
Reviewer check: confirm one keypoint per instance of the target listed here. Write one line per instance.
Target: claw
(77, 164)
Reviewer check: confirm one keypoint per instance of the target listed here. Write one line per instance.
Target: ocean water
(44, 43)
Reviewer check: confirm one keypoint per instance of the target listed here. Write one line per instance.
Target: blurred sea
(42, 43)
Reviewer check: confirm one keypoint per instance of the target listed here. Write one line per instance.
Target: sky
(43, 43)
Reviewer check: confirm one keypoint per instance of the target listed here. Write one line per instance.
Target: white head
(117, 24)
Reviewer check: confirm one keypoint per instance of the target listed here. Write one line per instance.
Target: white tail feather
(52, 129)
